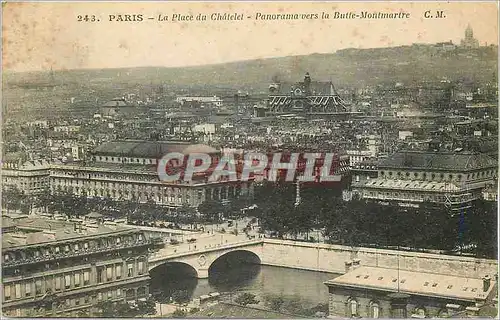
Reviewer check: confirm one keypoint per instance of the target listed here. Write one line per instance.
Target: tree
(147, 307)
(122, 309)
(274, 303)
(180, 296)
(211, 209)
(246, 298)
(179, 313)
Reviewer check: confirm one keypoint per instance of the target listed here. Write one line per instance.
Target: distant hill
(346, 68)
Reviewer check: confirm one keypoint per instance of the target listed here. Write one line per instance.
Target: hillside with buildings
(345, 68)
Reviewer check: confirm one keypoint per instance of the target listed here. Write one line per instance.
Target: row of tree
(75, 206)
(359, 222)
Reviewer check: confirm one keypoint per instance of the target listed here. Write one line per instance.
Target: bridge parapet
(203, 255)
(172, 252)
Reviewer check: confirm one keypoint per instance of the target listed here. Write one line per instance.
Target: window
(109, 273)
(86, 245)
(48, 284)
(141, 291)
(374, 310)
(27, 289)
(420, 312)
(86, 278)
(141, 267)
(99, 296)
(353, 307)
(118, 292)
(118, 240)
(6, 257)
(66, 248)
(18, 290)
(100, 271)
(76, 247)
(6, 292)
(130, 268)
(58, 283)
(67, 281)
(38, 287)
(77, 279)
(118, 271)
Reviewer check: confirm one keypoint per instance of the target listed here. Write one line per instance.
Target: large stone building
(469, 42)
(305, 97)
(59, 269)
(127, 170)
(371, 292)
(412, 177)
(32, 177)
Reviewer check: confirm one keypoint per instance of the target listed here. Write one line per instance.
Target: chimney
(452, 309)
(348, 266)
(472, 311)
(356, 263)
(486, 283)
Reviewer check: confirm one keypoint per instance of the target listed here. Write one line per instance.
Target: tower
(469, 41)
(307, 83)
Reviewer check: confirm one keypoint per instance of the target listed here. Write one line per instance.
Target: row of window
(353, 308)
(81, 301)
(414, 196)
(424, 175)
(124, 160)
(73, 247)
(73, 280)
(122, 186)
(114, 272)
(47, 284)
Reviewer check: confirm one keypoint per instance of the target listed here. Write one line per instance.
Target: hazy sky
(39, 36)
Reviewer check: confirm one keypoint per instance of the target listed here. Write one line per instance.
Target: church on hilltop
(469, 42)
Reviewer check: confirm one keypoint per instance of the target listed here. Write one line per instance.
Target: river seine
(300, 286)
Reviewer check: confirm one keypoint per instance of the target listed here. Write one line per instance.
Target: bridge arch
(181, 267)
(234, 258)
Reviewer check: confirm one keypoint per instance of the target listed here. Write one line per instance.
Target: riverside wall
(333, 258)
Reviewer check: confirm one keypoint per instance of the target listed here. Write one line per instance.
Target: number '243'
(86, 18)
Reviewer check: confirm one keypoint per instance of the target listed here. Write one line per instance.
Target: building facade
(127, 170)
(411, 178)
(59, 269)
(305, 97)
(31, 177)
(371, 292)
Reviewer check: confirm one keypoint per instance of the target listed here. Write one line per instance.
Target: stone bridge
(200, 255)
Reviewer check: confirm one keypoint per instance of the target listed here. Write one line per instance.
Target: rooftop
(149, 149)
(411, 185)
(47, 230)
(117, 102)
(416, 283)
(438, 160)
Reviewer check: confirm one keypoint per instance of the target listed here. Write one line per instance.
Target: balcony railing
(82, 252)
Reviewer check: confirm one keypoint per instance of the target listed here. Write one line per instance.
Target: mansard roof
(149, 149)
(457, 161)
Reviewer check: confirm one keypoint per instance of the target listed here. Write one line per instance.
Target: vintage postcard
(249, 159)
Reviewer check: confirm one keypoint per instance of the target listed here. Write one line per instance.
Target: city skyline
(105, 44)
